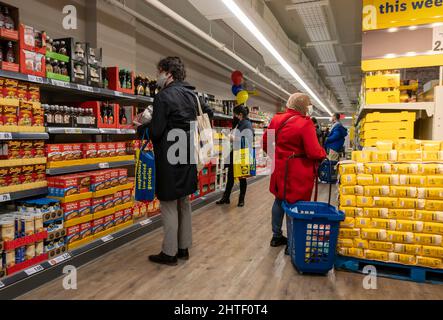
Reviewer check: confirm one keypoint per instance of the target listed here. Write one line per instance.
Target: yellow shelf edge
(23, 187)
(21, 162)
(77, 221)
(103, 213)
(85, 162)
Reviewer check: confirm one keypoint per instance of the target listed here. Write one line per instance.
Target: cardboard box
(127, 195)
(119, 217)
(54, 152)
(98, 181)
(120, 148)
(89, 150)
(97, 204)
(123, 176)
(109, 222)
(70, 210)
(72, 234)
(85, 230)
(114, 177)
(108, 202)
(111, 149)
(84, 207)
(102, 150)
(127, 214)
(383, 97)
(118, 198)
(98, 225)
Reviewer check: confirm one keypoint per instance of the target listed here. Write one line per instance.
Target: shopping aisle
(231, 259)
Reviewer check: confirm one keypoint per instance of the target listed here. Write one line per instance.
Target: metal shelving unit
(23, 136)
(90, 131)
(14, 196)
(89, 167)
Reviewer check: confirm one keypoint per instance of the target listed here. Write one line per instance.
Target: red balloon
(237, 78)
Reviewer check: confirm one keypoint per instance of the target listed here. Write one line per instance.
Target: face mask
(162, 79)
(310, 110)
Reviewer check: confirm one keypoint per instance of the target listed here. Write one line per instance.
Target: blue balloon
(236, 89)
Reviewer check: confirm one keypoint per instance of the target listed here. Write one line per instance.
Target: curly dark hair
(174, 66)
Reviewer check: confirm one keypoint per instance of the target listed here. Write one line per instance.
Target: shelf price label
(5, 136)
(1, 284)
(59, 83)
(5, 197)
(35, 79)
(437, 39)
(107, 238)
(104, 165)
(59, 259)
(145, 222)
(85, 88)
(118, 93)
(73, 131)
(34, 270)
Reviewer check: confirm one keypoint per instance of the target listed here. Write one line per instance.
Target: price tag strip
(5, 136)
(5, 197)
(60, 259)
(85, 88)
(35, 79)
(145, 222)
(73, 131)
(60, 83)
(107, 238)
(104, 165)
(34, 270)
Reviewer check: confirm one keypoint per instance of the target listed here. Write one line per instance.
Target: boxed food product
(26, 150)
(409, 226)
(127, 195)
(348, 180)
(411, 249)
(381, 246)
(383, 179)
(347, 190)
(349, 233)
(373, 234)
(54, 152)
(84, 207)
(431, 251)
(70, 210)
(14, 174)
(71, 152)
(112, 152)
(89, 150)
(400, 237)
(85, 230)
(431, 216)
(385, 202)
(371, 191)
(435, 181)
(402, 258)
(383, 224)
(10, 117)
(73, 234)
(108, 202)
(409, 155)
(432, 205)
(376, 213)
(361, 156)
(38, 148)
(403, 192)
(102, 150)
(120, 148)
(361, 243)
(362, 222)
(430, 155)
(348, 168)
(25, 117)
(108, 222)
(127, 214)
(347, 243)
(365, 179)
(428, 239)
(408, 145)
(429, 262)
(352, 252)
(404, 214)
(119, 217)
(97, 204)
(114, 177)
(123, 176)
(430, 193)
(407, 203)
(98, 181)
(433, 227)
(98, 225)
(348, 201)
(376, 255)
(430, 168)
(363, 201)
(373, 168)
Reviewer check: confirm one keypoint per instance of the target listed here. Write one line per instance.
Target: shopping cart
(327, 172)
(313, 229)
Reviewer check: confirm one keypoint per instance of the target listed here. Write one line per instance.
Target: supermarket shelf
(21, 162)
(23, 135)
(17, 195)
(429, 107)
(89, 131)
(76, 89)
(22, 282)
(89, 167)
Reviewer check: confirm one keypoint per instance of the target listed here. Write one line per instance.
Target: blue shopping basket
(313, 229)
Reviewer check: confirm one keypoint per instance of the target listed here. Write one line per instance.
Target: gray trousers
(177, 225)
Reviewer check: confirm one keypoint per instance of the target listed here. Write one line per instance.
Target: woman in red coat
(294, 135)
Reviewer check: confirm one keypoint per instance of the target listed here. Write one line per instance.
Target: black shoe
(223, 201)
(287, 251)
(164, 259)
(183, 254)
(278, 242)
(241, 203)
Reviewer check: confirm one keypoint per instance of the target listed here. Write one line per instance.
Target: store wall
(129, 43)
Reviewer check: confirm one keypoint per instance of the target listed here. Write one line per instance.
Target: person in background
(295, 134)
(241, 123)
(318, 130)
(336, 138)
(175, 107)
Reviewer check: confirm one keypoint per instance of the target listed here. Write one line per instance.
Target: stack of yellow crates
(393, 201)
(382, 87)
(378, 126)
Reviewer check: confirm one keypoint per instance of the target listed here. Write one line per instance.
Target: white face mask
(310, 110)
(162, 79)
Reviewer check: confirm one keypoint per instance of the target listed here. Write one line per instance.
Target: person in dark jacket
(336, 139)
(317, 130)
(243, 135)
(175, 107)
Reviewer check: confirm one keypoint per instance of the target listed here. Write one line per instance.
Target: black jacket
(175, 107)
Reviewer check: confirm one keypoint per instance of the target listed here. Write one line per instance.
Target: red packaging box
(114, 177)
(109, 222)
(98, 181)
(120, 148)
(97, 204)
(72, 234)
(107, 174)
(98, 225)
(108, 202)
(68, 152)
(54, 152)
(85, 230)
(89, 150)
(123, 176)
(84, 207)
(70, 210)
(127, 195)
(84, 181)
(102, 150)
(112, 152)
(119, 217)
(128, 215)
(27, 150)
(118, 198)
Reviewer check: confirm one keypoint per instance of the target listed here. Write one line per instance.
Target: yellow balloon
(242, 97)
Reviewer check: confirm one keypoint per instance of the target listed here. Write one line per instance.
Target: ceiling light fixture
(238, 12)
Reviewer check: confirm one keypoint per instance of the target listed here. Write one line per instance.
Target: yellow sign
(384, 14)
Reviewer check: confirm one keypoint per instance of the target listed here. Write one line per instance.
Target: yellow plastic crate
(388, 126)
(390, 117)
(383, 81)
(383, 97)
(407, 133)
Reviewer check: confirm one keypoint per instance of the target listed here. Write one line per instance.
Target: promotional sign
(384, 14)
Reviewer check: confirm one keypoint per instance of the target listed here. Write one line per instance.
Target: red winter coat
(298, 136)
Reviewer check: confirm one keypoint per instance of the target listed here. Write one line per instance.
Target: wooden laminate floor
(231, 259)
